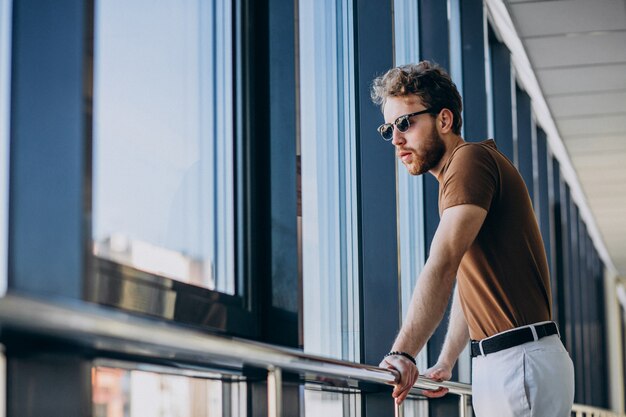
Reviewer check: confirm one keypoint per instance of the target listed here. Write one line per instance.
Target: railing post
(274, 392)
(399, 410)
(463, 405)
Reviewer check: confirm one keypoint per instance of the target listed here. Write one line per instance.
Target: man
(488, 242)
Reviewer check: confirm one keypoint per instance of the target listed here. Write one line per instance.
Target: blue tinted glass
(328, 149)
(163, 139)
(5, 43)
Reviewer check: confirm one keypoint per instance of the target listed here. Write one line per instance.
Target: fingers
(404, 386)
(437, 393)
(406, 374)
(436, 374)
(400, 399)
(400, 392)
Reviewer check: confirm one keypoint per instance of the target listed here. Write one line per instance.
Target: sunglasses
(402, 123)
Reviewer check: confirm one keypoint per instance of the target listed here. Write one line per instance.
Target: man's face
(420, 148)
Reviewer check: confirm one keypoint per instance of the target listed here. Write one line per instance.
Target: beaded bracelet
(406, 355)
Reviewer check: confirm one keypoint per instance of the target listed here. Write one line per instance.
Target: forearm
(457, 230)
(457, 335)
(428, 305)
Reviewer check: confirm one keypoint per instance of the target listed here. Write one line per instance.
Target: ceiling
(577, 50)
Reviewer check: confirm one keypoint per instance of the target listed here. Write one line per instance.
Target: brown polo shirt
(503, 279)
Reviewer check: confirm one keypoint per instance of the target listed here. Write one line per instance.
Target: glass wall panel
(456, 73)
(491, 124)
(410, 188)
(119, 392)
(328, 163)
(3, 385)
(331, 404)
(163, 167)
(5, 59)
(456, 55)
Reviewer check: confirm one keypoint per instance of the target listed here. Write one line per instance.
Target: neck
(451, 142)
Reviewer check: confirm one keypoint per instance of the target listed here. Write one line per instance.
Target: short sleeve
(470, 178)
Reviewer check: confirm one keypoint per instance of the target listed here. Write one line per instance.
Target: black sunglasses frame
(388, 127)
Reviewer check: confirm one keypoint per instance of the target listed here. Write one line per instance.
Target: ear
(445, 121)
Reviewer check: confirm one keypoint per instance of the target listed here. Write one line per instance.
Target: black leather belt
(512, 338)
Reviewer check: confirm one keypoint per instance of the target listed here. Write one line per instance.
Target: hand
(439, 372)
(407, 372)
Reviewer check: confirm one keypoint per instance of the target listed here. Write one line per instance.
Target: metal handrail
(115, 332)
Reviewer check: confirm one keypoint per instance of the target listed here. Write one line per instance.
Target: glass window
(163, 167)
(3, 383)
(456, 73)
(5, 58)
(119, 392)
(318, 402)
(410, 189)
(491, 129)
(456, 56)
(328, 164)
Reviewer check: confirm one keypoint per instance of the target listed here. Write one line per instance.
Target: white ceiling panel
(610, 232)
(614, 176)
(603, 201)
(604, 188)
(594, 145)
(615, 233)
(588, 104)
(570, 81)
(592, 125)
(602, 198)
(601, 189)
(567, 16)
(605, 159)
(585, 49)
(577, 50)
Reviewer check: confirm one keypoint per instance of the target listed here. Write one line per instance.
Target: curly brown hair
(428, 81)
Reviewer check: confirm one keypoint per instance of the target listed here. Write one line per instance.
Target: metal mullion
(502, 97)
(473, 33)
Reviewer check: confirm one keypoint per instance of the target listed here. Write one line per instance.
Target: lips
(403, 155)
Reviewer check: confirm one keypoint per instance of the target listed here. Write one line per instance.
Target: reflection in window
(5, 43)
(124, 393)
(163, 139)
(328, 163)
(331, 404)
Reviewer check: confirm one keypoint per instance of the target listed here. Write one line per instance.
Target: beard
(429, 156)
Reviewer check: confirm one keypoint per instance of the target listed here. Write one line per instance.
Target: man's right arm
(457, 230)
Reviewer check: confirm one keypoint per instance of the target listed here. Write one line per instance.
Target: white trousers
(535, 379)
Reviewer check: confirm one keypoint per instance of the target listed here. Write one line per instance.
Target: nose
(397, 138)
